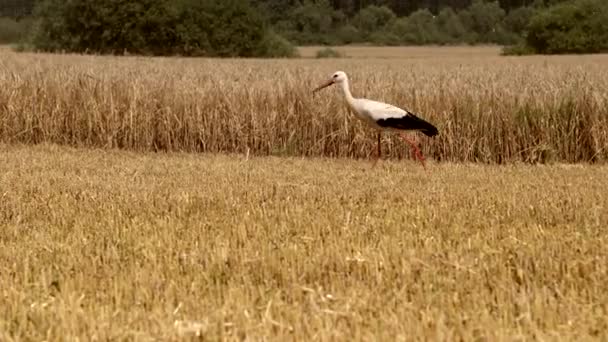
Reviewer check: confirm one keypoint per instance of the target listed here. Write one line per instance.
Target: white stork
(382, 116)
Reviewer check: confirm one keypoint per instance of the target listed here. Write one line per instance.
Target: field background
(110, 229)
(403, 52)
(113, 245)
(488, 108)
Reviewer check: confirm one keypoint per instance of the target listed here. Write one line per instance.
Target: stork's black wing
(409, 122)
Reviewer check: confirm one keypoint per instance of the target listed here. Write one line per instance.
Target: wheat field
(118, 245)
(488, 108)
(111, 228)
(404, 52)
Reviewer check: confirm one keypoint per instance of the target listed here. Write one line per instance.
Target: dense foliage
(270, 27)
(572, 27)
(156, 27)
(399, 7)
(12, 30)
(16, 9)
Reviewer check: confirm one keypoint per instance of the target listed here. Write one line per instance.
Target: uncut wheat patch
(488, 108)
(404, 52)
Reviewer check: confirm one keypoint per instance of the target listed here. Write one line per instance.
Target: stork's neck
(347, 95)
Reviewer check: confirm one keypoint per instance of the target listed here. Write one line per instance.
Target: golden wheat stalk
(488, 109)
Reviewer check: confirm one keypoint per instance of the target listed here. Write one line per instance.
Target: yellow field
(102, 244)
(405, 52)
(262, 237)
(488, 108)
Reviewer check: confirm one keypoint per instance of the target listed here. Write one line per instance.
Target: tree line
(267, 28)
(22, 8)
(400, 7)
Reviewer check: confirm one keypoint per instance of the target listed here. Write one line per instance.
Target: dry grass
(405, 52)
(120, 245)
(488, 108)
(100, 245)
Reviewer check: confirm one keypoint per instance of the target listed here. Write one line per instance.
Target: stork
(382, 116)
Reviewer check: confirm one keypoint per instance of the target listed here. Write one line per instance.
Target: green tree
(449, 26)
(232, 27)
(142, 26)
(310, 22)
(373, 19)
(579, 26)
(16, 9)
(517, 20)
(485, 19)
(155, 27)
(348, 34)
(418, 29)
(13, 31)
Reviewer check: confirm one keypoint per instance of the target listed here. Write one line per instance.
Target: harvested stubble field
(106, 244)
(101, 243)
(487, 108)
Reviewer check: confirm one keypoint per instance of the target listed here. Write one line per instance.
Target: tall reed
(488, 109)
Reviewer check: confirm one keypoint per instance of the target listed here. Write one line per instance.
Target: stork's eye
(336, 76)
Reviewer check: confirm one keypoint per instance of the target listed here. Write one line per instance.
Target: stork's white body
(370, 111)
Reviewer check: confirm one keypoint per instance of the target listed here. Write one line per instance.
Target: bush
(485, 20)
(225, 28)
(517, 20)
(273, 45)
(348, 34)
(419, 28)
(517, 50)
(329, 53)
(384, 38)
(13, 31)
(579, 26)
(310, 22)
(373, 19)
(233, 27)
(450, 27)
(107, 27)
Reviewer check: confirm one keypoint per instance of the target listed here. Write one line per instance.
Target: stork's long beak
(326, 84)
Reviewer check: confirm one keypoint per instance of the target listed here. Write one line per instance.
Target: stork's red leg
(417, 151)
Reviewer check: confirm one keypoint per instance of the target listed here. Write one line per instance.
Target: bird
(382, 116)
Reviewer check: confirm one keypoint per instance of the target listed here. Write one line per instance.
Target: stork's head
(337, 77)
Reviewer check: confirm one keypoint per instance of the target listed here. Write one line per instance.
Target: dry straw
(488, 108)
